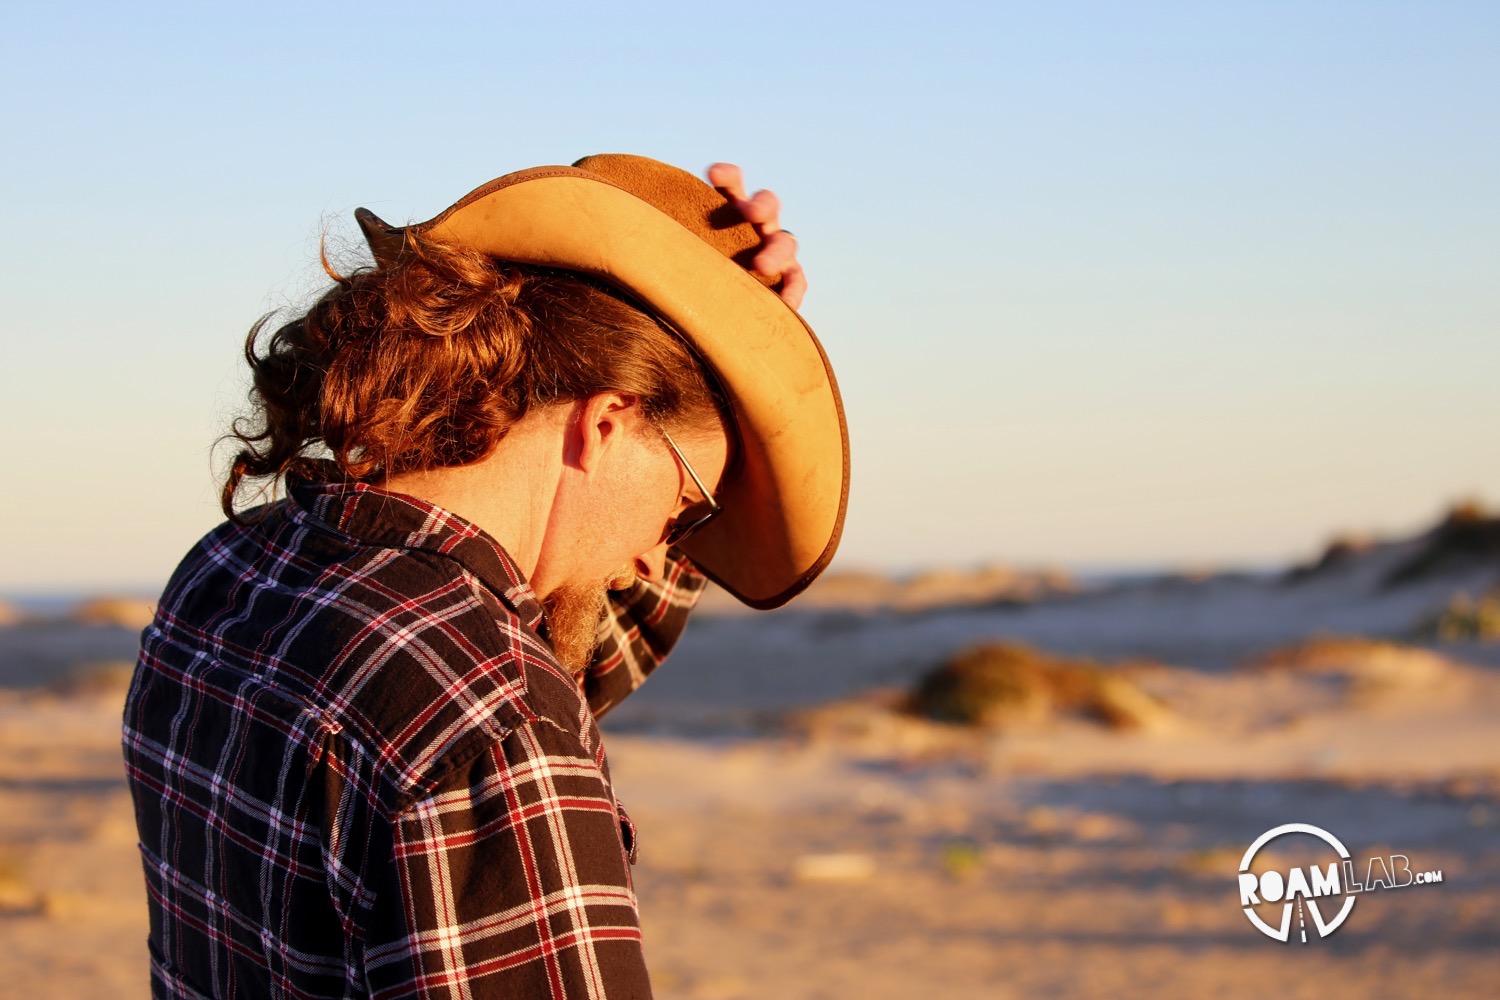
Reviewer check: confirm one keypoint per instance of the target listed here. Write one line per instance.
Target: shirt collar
(395, 520)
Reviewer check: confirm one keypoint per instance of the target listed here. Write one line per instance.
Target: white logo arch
(1283, 933)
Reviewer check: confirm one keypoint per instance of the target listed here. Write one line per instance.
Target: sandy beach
(803, 837)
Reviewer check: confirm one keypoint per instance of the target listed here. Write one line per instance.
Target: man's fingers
(778, 253)
(778, 249)
(764, 210)
(727, 178)
(793, 286)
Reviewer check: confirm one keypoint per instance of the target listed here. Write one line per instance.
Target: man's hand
(778, 248)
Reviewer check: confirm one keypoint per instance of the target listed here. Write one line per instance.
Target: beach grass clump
(961, 859)
(997, 684)
(985, 685)
(1467, 619)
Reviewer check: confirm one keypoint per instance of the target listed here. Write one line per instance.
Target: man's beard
(574, 617)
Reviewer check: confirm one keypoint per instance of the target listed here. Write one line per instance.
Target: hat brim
(783, 509)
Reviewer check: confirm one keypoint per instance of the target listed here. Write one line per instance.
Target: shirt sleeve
(513, 881)
(640, 627)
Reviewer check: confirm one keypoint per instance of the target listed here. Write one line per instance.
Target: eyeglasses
(698, 514)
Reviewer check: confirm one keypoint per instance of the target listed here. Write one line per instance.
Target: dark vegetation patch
(995, 684)
(1467, 537)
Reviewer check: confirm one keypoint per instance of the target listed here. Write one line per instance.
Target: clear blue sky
(1105, 284)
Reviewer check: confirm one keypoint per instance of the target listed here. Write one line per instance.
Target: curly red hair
(427, 362)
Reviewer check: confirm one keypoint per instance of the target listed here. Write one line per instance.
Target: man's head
(689, 254)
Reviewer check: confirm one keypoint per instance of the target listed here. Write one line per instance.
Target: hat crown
(697, 207)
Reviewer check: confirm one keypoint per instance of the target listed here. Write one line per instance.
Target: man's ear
(603, 421)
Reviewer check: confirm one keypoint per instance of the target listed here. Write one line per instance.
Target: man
(361, 735)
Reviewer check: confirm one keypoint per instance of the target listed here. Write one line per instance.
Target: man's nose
(652, 564)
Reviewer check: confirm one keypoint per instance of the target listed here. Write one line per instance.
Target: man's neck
(509, 493)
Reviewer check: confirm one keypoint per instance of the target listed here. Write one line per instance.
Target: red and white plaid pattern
(358, 769)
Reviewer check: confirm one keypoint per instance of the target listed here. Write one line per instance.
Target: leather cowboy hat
(677, 247)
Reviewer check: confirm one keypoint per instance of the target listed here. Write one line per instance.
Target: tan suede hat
(677, 246)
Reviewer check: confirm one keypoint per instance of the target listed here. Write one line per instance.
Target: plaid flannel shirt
(358, 768)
